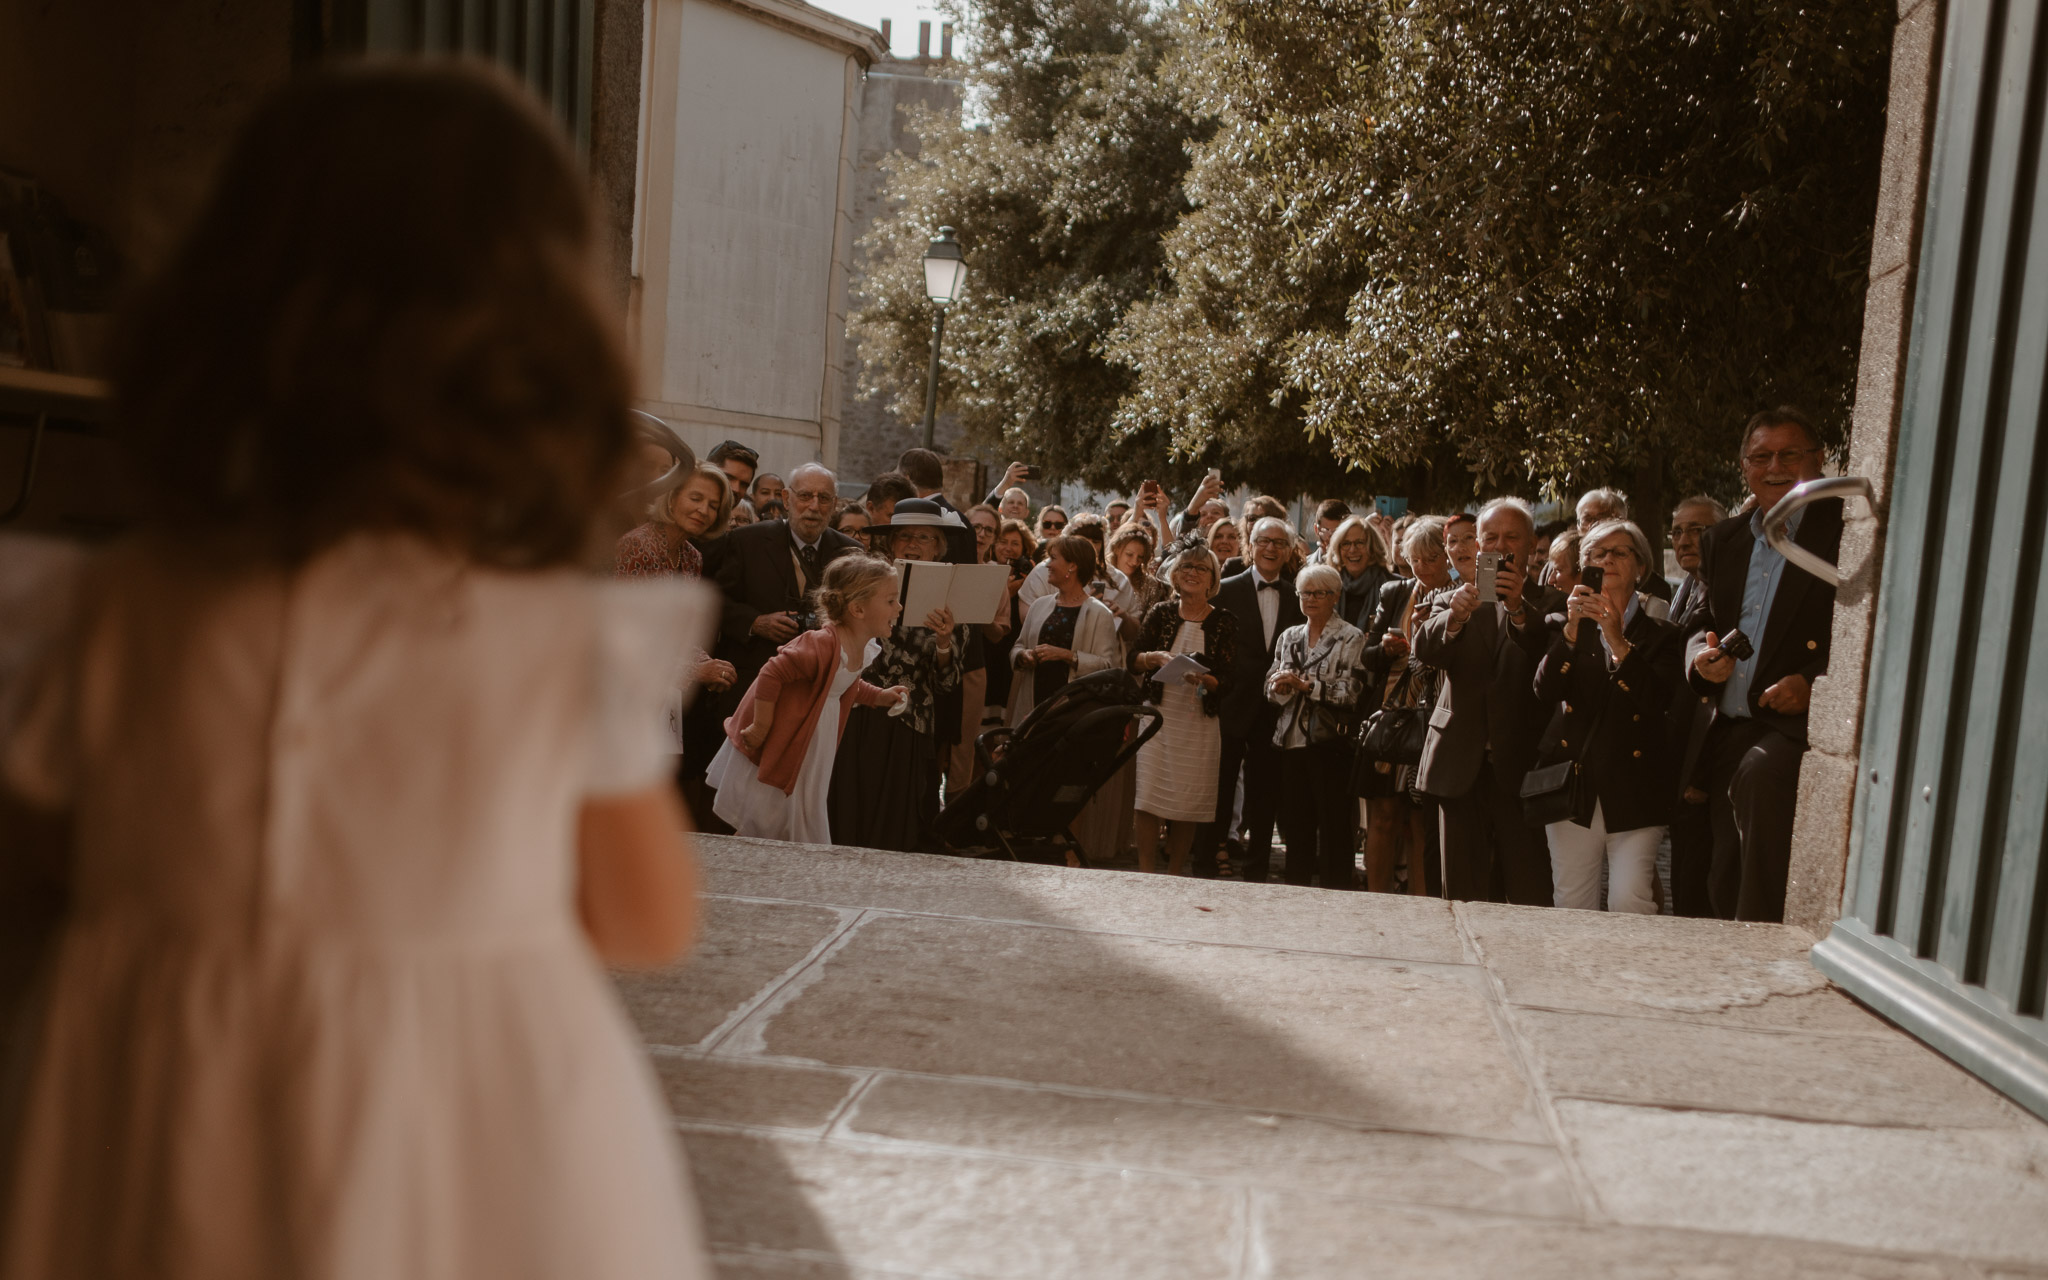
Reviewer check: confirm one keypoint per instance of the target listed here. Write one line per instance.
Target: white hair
(1527, 512)
(1613, 501)
(818, 467)
(1320, 573)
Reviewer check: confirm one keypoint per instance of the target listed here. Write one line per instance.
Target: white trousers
(1576, 853)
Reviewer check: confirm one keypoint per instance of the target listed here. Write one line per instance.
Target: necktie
(809, 558)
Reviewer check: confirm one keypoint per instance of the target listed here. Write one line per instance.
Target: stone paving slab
(1889, 1080)
(1217, 1143)
(1402, 928)
(1300, 1032)
(1972, 1193)
(742, 949)
(891, 1065)
(1711, 971)
(947, 1213)
(1320, 1238)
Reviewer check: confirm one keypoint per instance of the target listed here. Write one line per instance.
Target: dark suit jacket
(1486, 700)
(1245, 709)
(756, 575)
(1614, 723)
(1802, 617)
(1692, 712)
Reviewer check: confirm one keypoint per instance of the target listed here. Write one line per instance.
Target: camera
(806, 619)
(1737, 646)
(1592, 576)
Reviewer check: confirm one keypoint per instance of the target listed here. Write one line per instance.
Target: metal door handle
(1801, 496)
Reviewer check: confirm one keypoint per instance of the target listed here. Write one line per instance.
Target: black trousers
(1490, 854)
(1752, 791)
(1320, 814)
(1260, 760)
(1692, 859)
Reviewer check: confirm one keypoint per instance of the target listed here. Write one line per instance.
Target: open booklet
(974, 592)
(1179, 667)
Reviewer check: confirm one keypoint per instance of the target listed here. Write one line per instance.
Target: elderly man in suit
(766, 570)
(1482, 735)
(1262, 601)
(1692, 713)
(1759, 731)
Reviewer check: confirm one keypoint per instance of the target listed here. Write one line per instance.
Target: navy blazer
(1615, 724)
(1802, 617)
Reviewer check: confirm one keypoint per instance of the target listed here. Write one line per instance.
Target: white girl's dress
(754, 808)
(323, 1007)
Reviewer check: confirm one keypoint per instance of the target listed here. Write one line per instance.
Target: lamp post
(945, 270)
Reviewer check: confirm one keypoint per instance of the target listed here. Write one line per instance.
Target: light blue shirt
(1766, 571)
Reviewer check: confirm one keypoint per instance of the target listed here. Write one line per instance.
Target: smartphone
(1593, 576)
(1486, 576)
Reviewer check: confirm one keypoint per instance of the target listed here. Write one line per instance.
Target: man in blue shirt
(1759, 701)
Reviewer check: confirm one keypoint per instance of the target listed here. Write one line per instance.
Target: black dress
(885, 777)
(1048, 678)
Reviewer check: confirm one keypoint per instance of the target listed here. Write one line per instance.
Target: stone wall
(1827, 776)
(871, 437)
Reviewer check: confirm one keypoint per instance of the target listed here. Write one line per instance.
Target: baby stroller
(1036, 776)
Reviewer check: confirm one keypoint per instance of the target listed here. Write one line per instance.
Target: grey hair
(1611, 500)
(1702, 500)
(1263, 521)
(1322, 573)
(1527, 512)
(818, 467)
(1427, 530)
(1638, 544)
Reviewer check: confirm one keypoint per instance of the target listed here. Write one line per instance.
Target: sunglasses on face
(1054, 525)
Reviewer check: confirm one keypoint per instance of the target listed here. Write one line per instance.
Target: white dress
(757, 809)
(322, 1005)
(1177, 768)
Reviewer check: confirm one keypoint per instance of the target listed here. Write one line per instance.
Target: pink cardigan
(796, 680)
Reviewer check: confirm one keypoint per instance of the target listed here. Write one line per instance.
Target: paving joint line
(1519, 1050)
(850, 919)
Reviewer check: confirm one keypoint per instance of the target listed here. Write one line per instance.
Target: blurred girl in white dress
(364, 766)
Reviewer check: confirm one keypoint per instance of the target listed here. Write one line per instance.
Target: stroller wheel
(981, 822)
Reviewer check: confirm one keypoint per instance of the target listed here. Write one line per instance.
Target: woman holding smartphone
(1610, 675)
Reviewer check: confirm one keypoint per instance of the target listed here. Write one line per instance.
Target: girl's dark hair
(385, 317)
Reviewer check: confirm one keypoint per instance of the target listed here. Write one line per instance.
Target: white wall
(744, 236)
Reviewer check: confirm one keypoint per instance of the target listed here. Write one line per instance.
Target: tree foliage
(1061, 194)
(1439, 246)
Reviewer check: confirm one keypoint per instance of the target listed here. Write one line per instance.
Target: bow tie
(1269, 586)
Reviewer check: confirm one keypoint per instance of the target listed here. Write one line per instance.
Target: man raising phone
(1482, 735)
(1761, 689)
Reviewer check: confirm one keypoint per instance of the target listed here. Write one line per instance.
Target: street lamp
(945, 270)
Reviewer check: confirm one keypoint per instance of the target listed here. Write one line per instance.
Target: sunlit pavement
(894, 1065)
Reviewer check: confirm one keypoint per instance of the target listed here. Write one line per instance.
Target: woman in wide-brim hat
(885, 779)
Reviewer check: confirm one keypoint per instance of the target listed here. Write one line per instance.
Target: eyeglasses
(1272, 542)
(1761, 461)
(809, 498)
(1684, 530)
(1316, 593)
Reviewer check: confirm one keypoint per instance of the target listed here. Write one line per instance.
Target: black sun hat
(923, 513)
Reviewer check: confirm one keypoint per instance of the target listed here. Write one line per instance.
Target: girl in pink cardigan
(774, 773)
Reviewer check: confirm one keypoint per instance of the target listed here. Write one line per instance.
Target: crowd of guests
(1484, 707)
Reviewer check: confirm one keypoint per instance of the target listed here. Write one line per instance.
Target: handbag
(1547, 793)
(1395, 735)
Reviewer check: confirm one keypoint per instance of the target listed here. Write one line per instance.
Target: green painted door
(546, 43)
(1943, 916)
